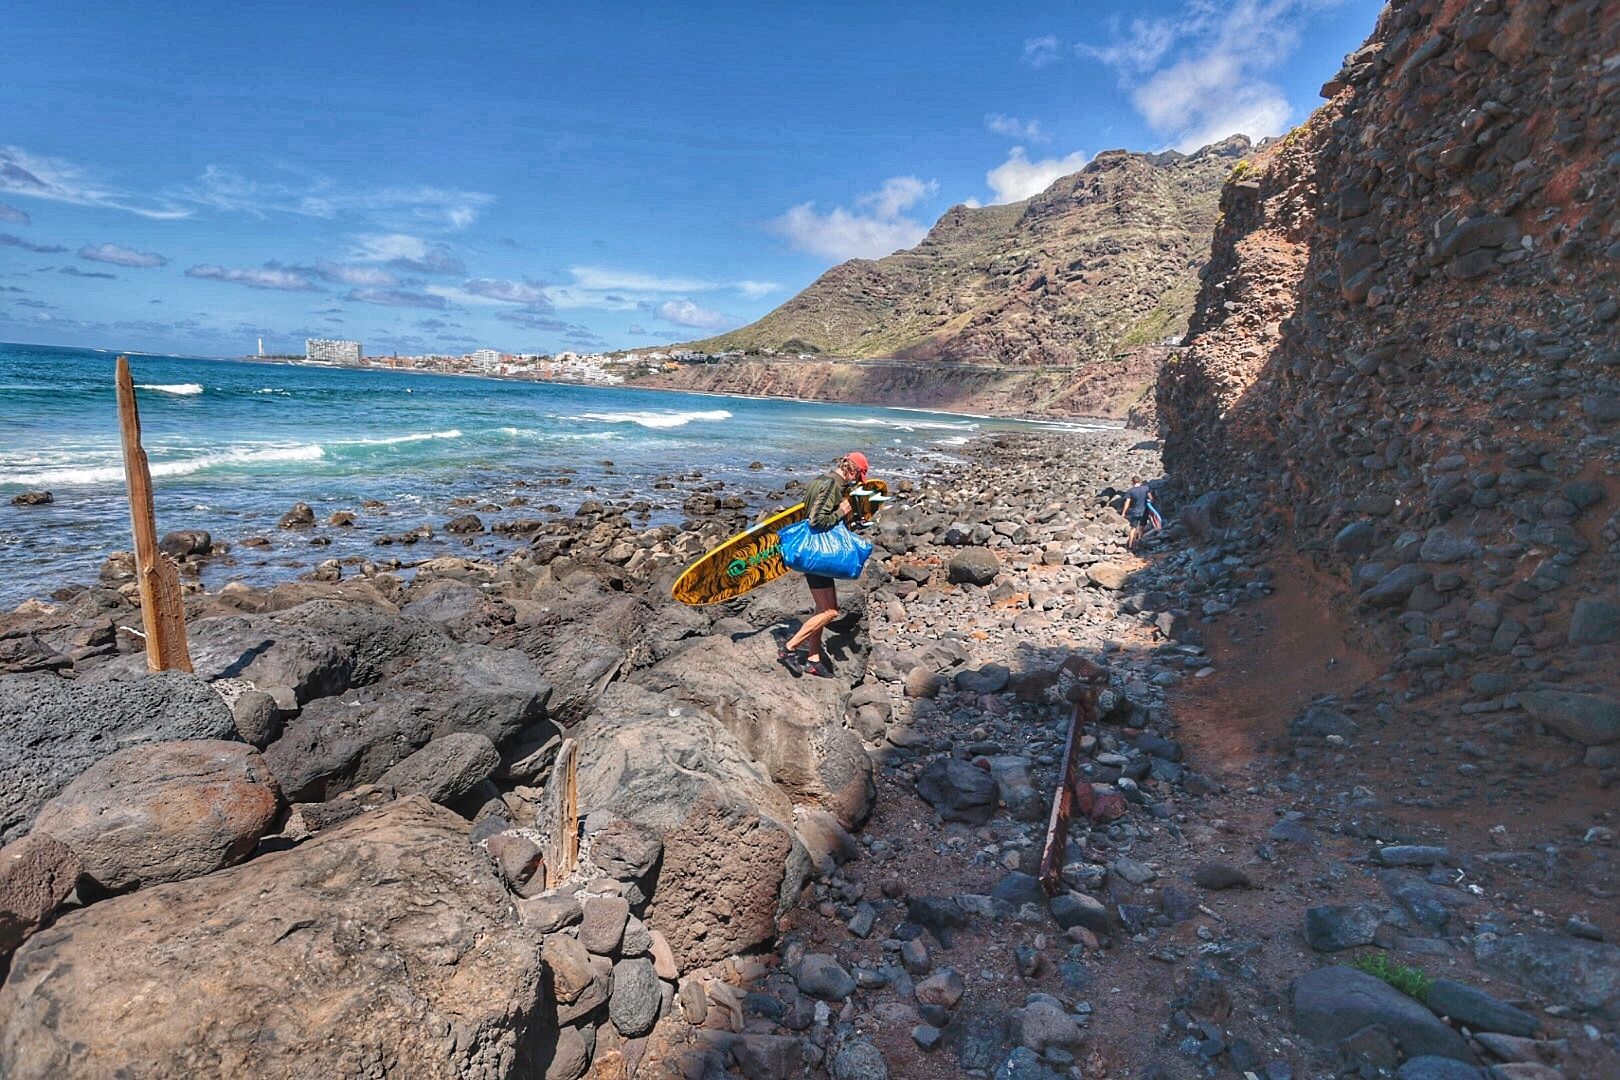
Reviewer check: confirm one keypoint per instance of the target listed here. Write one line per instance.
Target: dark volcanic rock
(958, 791)
(445, 769)
(1564, 969)
(1474, 1008)
(1332, 1003)
(51, 730)
(339, 742)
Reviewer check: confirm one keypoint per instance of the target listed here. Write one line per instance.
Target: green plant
(1239, 171)
(1408, 980)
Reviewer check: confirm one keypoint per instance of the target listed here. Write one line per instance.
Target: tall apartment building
(322, 351)
(486, 359)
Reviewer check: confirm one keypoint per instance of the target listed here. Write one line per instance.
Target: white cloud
(402, 251)
(310, 195)
(40, 177)
(686, 313)
(1040, 51)
(120, 256)
(1019, 178)
(1014, 128)
(1200, 76)
(608, 280)
(756, 289)
(508, 292)
(13, 215)
(346, 274)
(876, 227)
(268, 278)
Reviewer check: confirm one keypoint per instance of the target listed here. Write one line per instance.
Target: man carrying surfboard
(826, 503)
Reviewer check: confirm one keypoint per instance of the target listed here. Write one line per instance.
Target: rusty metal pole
(163, 610)
(1071, 794)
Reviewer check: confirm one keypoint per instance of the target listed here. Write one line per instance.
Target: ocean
(233, 444)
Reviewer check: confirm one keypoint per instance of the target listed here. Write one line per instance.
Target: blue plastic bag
(834, 552)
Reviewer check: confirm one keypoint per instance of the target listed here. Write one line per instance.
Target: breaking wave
(184, 389)
(650, 419)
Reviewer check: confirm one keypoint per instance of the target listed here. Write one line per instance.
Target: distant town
(599, 368)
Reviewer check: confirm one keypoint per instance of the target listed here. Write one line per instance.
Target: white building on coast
(324, 351)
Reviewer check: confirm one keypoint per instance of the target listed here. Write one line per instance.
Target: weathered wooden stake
(163, 611)
(562, 808)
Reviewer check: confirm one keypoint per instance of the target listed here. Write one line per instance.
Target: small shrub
(1408, 980)
(1239, 171)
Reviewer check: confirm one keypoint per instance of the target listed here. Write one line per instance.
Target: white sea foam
(952, 440)
(900, 425)
(538, 433)
(273, 390)
(395, 440)
(184, 389)
(106, 474)
(655, 419)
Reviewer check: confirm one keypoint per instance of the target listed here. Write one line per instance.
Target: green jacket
(821, 499)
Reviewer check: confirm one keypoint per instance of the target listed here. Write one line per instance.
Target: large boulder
(445, 769)
(1563, 969)
(51, 730)
(582, 636)
(318, 648)
(1589, 719)
(385, 947)
(164, 811)
(731, 863)
(339, 742)
(1332, 1003)
(794, 727)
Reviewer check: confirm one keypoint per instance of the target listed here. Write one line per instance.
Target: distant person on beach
(826, 503)
(1139, 511)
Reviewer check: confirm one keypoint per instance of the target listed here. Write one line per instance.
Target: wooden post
(562, 808)
(163, 611)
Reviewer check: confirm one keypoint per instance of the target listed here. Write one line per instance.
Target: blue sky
(534, 177)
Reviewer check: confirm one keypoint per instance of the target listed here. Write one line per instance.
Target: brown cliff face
(1110, 388)
(1104, 259)
(1405, 347)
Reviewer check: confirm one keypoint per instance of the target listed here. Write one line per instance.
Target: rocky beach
(780, 877)
(1345, 734)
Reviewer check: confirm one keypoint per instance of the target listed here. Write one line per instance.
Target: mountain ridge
(1103, 259)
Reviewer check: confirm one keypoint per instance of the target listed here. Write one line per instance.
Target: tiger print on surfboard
(754, 556)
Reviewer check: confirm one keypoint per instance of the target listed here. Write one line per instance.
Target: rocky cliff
(1110, 387)
(1405, 355)
(1104, 258)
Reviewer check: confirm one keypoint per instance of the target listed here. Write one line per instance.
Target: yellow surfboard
(754, 556)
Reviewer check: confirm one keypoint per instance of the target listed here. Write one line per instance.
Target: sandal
(819, 668)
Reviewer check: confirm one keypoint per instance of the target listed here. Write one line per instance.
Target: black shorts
(816, 581)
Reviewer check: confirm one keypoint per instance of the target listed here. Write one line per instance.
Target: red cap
(858, 460)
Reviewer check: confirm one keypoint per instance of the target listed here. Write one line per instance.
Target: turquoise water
(233, 444)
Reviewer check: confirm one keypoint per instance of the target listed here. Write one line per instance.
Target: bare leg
(810, 632)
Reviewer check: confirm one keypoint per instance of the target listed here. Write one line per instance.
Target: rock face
(731, 861)
(164, 811)
(794, 727)
(51, 730)
(1440, 231)
(36, 874)
(439, 980)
